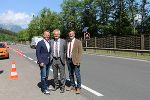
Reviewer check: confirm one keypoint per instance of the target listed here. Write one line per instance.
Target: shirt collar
(57, 40)
(45, 40)
(73, 39)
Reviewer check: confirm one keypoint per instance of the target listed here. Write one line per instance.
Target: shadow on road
(51, 83)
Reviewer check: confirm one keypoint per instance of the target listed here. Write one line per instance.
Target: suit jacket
(42, 54)
(77, 52)
(62, 50)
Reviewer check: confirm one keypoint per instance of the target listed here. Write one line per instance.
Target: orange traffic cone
(14, 74)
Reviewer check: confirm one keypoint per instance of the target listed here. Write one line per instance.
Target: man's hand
(41, 64)
(77, 64)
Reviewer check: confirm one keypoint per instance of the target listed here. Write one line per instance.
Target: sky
(20, 12)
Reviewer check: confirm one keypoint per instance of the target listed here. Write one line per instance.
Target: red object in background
(86, 36)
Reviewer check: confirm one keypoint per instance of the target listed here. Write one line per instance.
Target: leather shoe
(56, 87)
(78, 91)
(62, 90)
(71, 88)
(46, 92)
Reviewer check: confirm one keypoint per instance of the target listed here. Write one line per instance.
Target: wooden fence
(127, 42)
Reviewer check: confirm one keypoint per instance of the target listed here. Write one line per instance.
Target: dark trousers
(74, 69)
(58, 67)
(44, 76)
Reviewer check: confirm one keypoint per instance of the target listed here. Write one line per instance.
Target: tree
(71, 15)
(23, 35)
(144, 13)
(121, 21)
(46, 20)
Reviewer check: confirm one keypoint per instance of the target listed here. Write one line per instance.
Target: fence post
(95, 42)
(142, 42)
(115, 45)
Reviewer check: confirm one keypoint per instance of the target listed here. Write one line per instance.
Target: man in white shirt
(58, 56)
(74, 53)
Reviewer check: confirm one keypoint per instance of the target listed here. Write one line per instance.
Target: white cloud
(17, 18)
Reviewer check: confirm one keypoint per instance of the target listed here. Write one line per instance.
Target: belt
(69, 58)
(56, 58)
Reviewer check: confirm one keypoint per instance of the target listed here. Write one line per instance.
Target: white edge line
(25, 56)
(91, 90)
(30, 58)
(35, 61)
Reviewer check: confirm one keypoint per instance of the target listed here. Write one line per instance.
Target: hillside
(10, 27)
(6, 35)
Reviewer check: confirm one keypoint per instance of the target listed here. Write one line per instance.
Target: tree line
(103, 17)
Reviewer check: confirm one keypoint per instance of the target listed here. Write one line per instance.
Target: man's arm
(79, 51)
(38, 53)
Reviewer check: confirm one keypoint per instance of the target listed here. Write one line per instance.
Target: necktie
(56, 49)
(70, 49)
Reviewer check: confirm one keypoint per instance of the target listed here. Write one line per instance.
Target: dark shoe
(62, 90)
(56, 87)
(1, 71)
(50, 88)
(78, 91)
(71, 88)
(46, 92)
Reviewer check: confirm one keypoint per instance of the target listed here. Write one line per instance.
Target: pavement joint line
(118, 57)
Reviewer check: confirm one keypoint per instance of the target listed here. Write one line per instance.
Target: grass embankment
(144, 56)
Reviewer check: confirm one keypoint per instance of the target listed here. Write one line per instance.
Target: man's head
(46, 35)
(56, 34)
(71, 34)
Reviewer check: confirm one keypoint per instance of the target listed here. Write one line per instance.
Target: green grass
(144, 56)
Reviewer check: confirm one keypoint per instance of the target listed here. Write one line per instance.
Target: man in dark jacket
(43, 57)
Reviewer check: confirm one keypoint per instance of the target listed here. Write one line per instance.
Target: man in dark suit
(43, 57)
(74, 53)
(58, 56)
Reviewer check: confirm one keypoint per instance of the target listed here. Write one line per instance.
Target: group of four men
(56, 52)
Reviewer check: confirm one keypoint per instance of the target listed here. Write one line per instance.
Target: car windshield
(2, 45)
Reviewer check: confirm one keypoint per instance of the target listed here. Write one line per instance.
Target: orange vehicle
(4, 53)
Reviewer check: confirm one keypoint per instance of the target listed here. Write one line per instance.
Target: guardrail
(117, 49)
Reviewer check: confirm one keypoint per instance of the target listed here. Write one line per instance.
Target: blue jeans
(44, 77)
(74, 69)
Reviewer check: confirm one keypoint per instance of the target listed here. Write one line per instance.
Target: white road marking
(119, 57)
(29, 58)
(91, 90)
(35, 61)
(25, 56)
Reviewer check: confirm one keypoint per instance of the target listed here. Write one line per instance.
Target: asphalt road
(103, 78)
